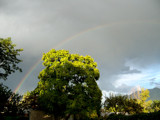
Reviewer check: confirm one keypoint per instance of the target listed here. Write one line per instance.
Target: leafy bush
(142, 116)
(15, 118)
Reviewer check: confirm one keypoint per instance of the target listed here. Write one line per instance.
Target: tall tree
(68, 85)
(8, 58)
(142, 99)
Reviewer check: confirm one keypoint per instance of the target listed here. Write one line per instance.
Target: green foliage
(138, 104)
(132, 107)
(5, 94)
(155, 106)
(15, 118)
(9, 102)
(143, 96)
(8, 58)
(123, 104)
(29, 100)
(142, 116)
(68, 85)
(12, 105)
(115, 103)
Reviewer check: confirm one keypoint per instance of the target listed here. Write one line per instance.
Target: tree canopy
(8, 58)
(68, 85)
(142, 97)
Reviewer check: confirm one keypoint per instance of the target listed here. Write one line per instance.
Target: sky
(123, 37)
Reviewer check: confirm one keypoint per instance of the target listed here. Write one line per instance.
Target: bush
(15, 118)
(142, 116)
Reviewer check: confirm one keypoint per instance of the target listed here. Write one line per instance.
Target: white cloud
(129, 79)
(142, 79)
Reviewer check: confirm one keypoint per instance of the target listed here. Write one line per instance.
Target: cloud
(107, 94)
(154, 82)
(128, 70)
(152, 79)
(125, 48)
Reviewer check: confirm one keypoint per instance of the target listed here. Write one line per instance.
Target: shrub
(142, 116)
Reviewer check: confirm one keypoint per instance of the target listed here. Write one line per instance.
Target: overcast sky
(123, 37)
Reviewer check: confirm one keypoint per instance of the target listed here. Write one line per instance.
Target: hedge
(142, 116)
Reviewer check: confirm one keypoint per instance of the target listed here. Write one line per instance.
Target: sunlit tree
(68, 85)
(142, 100)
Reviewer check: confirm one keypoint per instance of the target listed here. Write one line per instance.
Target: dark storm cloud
(37, 26)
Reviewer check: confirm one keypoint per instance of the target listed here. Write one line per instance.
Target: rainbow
(26, 76)
(71, 38)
